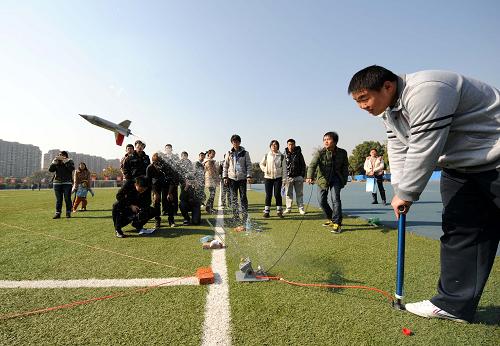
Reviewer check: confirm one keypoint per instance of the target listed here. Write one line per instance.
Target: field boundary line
(217, 323)
(94, 283)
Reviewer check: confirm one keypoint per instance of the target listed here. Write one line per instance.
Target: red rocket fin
(119, 138)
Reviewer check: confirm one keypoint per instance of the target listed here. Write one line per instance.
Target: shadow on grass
(489, 315)
(92, 210)
(92, 217)
(428, 202)
(170, 232)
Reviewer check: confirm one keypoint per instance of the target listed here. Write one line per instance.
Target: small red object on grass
(205, 276)
(407, 332)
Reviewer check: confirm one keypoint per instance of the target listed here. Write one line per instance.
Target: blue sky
(192, 73)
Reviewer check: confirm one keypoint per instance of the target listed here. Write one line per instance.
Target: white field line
(190, 281)
(216, 328)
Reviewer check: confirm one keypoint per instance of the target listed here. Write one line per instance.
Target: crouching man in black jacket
(133, 205)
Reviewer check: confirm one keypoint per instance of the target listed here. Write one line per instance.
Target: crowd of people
(432, 118)
(156, 193)
(166, 183)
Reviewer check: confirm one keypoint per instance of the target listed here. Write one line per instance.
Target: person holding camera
(133, 205)
(63, 168)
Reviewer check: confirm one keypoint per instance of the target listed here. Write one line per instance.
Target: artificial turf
(35, 247)
(270, 313)
(275, 313)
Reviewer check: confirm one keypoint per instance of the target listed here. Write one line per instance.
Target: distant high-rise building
(19, 160)
(94, 163)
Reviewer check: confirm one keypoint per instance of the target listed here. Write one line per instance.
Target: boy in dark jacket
(133, 205)
(135, 165)
(296, 171)
(329, 168)
(63, 182)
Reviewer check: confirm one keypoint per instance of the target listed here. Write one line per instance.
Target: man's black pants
(235, 187)
(471, 227)
(271, 185)
(122, 216)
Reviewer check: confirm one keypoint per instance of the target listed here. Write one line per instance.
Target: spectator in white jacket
(274, 169)
(374, 168)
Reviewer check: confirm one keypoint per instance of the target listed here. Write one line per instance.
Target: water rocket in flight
(121, 130)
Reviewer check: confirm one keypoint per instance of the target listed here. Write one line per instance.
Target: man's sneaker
(68, 214)
(327, 224)
(287, 211)
(336, 228)
(119, 234)
(173, 225)
(384, 202)
(57, 216)
(266, 214)
(279, 213)
(426, 309)
(302, 211)
(185, 222)
(157, 224)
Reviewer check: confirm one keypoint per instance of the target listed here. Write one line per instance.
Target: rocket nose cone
(86, 117)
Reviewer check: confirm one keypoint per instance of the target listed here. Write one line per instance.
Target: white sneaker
(426, 309)
(146, 231)
(302, 211)
(287, 211)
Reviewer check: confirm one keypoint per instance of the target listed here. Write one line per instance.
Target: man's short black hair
(370, 78)
(141, 181)
(332, 135)
(64, 153)
(291, 140)
(168, 145)
(235, 138)
(140, 142)
(130, 146)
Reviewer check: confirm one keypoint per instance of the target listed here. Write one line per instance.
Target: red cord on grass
(387, 294)
(87, 301)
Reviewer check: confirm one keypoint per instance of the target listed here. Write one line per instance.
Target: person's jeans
(211, 197)
(270, 185)
(235, 187)
(331, 196)
(225, 196)
(297, 184)
(170, 207)
(380, 184)
(471, 219)
(63, 191)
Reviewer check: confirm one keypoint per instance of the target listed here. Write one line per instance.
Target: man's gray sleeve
(431, 106)
(397, 155)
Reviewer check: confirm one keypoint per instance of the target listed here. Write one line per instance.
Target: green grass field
(269, 313)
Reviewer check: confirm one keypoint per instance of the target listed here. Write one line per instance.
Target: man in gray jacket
(439, 118)
(237, 171)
